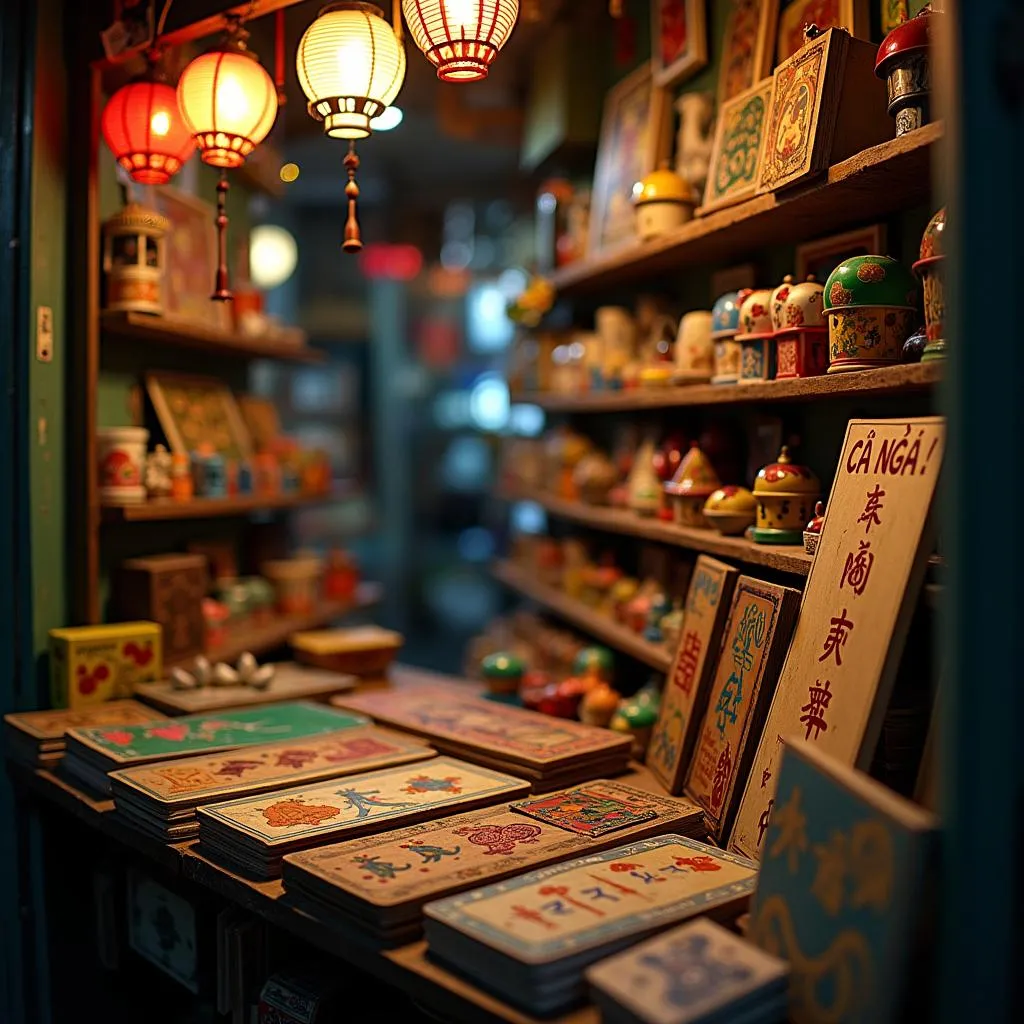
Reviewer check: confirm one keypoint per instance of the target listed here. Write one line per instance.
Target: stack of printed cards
(253, 834)
(529, 939)
(37, 737)
(377, 885)
(551, 752)
(161, 799)
(92, 753)
(697, 974)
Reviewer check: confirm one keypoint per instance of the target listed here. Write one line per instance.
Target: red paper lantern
(145, 132)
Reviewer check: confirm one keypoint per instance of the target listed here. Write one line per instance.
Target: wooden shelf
(209, 508)
(159, 330)
(870, 185)
(889, 380)
(589, 620)
(782, 557)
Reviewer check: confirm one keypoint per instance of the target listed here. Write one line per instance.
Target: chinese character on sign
(818, 698)
(700, 862)
(840, 628)
(728, 701)
(858, 568)
(723, 772)
(869, 516)
(563, 891)
(762, 822)
(533, 916)
(686, 668)
(749, 634)
(556, 907)
(636, 871)
(597, 892)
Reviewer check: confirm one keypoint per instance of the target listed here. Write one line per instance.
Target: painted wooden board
(842, 889)
(754, 643)
(858, 601)
(686, 687)
(52, 725)
(496, 730)
(189, 781)
(695, 973)
(436, 858)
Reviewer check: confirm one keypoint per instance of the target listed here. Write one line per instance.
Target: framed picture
(739, 134)
(679, 39)
(198, 410)
(853, 15)
(634, 138)
(893, 13)
(747, 47)
(822, 256)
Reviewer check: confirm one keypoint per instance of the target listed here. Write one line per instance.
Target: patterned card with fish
(189, 781)
(500, 730)
(197, 734)
(593, 901)
(51, 725)
(350, 804)
(591, 810)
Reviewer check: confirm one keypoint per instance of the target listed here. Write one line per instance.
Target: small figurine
(617, 331)
(812, 531)
(800, 331)
(668, 456)
(593, 478)
(754, 336)
(664, 201)
(930, 268)
(660, 607)
(635, 719)
(574, 565)
(621, 594)
(215, 619)
(672, 624)
(785, 494)
(903, 61)
(247, 672)
(694, 481)
(503, 673)
(598, 705)
(595, 663)
(730, 510)
(158, 473)
(694, 139)
(182, 487)
(644, 485)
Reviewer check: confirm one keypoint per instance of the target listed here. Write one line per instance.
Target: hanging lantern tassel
(352, 242)
(221, 291)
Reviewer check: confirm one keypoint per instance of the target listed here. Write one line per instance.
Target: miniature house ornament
(725, 319)
(903, 62)
(134, 260)
(664, 201)
(757, 353)
(694, 481)
(786, 494)
(801, 333)
(930, 268)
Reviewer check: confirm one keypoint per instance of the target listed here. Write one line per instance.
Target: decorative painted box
(694, 481)
(92, 664)
(757, 352)
(903, 62)
(871, 307)
(725, 321)
(930, 268)
(169, 589)
(785, 494)
(801, 333)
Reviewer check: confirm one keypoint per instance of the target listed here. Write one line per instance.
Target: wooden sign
(860, 595)
(841, 893)
(686, 688)
(736, 151)
(756, 635)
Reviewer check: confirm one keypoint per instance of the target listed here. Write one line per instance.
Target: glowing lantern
(461, 37)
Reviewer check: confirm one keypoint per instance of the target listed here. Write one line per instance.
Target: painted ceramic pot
(931, 268)
(730, 509)
(757, 353)
(812, 531)
(725, 321)
(695, 349)
(786, 494)
(903, 61)
(690, 488)
(801, 333)
(121, 457)
(663, 202)
(871, 307)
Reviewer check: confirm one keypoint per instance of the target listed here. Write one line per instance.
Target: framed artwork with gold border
(823, 255)
(679, 39)
(635, 137)
(853, 15)
(748, 46)
(196, 411)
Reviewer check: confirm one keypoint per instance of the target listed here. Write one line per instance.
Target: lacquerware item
(800, 331)
(757, 352)
(689, 489)
(930, 267)
(730, 510)
(812, 531)
(871, 307)
(786, 494)
(725, 321)
(663, 202)
(904, 63)
(695, 349)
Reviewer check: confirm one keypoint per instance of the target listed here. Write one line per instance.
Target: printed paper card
(162, 929)
(841, 888)
(51, 725)
(194, 734)
(688, 974)
(756, 635)
(592, 901)
(193, 780)
(862, 589)
(288, 815)
(499, 729)
(592, 810)
(425, 860)
(686, 688)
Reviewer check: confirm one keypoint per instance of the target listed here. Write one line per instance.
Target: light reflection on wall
(466, 465)
(528, 517)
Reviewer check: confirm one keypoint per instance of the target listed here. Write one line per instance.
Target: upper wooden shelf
(889, 380)
(209, 508)
(159, 330)
(872, 184)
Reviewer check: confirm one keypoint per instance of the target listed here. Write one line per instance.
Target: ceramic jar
(725, 320)
(121, 459)
(757, 353)
(801, 333)
(930, 268)
(785, 494)
(812, 531)
(617, 331)
(693, 483)
(903, 62)
(730, 510)
(663, 202)
(643, 486)
(695, 350)
(134, 259)
(871, 307)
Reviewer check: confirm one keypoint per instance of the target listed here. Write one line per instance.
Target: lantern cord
(221, 290)
(279, 57)
(163, 18)
(396, 17)
(352, 242)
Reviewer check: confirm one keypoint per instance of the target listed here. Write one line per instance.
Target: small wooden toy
(757, 352)
(730, 509)
(636, 719)
(800, 330)
(903, 61)
(182, 487)
(644, 485)
(694, 481)
(599, 705)
(664, 201)
(503, 672)
(930, 268)
(595, 662)
(785, 494)
(158, 473)
(593, 478)
(812, 531)
(725, 319)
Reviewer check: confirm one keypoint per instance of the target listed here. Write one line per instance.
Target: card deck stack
(251, 835)
(529, 939)
(377, 885)
(699, 973)
(36, 738)
(551, 753)
(161, 799)
(92, 753)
